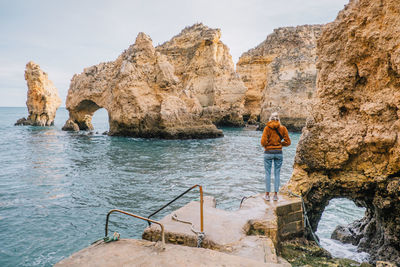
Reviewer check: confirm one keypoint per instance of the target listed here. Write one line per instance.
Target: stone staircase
(249, 236)
(253, 231)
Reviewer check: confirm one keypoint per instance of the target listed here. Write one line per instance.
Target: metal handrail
(139, 217)
(201, 205)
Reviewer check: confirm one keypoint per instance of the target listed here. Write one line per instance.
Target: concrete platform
(253, 231)
(131, 252)
(248, 236)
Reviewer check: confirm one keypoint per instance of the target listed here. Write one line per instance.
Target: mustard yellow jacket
(270, 139)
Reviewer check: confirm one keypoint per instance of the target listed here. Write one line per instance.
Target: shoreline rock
(349, 234)
(302, 252)
(350, 147)
(42, 97)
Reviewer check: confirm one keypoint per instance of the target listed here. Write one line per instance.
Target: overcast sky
(64, 37)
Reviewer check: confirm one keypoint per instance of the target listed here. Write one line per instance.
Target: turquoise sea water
(56, 187)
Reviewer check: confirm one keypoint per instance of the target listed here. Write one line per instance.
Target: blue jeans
(268, 158)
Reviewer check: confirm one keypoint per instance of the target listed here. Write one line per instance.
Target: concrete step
(131, 252)
(253, 231)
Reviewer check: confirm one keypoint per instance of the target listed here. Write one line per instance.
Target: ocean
(56, 187)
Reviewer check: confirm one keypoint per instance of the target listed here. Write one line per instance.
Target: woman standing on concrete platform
(272, 142)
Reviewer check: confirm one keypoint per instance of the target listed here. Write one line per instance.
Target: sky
(66, 36)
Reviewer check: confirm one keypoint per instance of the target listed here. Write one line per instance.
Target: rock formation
(143, 97)
(280, 75)
(205, 67)
(350, 147)
(175, 90)
(43, 100)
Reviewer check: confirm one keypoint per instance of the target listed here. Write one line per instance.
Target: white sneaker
(275, 198)
(266, 197)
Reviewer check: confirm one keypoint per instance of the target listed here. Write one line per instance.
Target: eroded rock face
(280, 75)
(43, 99)
(142, 94)
(350, 146)
(204, 66)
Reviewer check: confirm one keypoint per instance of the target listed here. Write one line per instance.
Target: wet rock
(280, 75)
(350, 146)
(43, 100)
(349, 234)
(70, 125)
(344, 235)
(23, 121)
(301, 252)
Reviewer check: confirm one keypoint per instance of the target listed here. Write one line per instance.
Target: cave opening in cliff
(100, 120)
(333, 232)
(89, 116)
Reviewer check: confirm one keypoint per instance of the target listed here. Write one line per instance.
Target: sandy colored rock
(143, 97)
(385, 264)
(205, 67)
(280, 75)
(43, 99)
(350, 147)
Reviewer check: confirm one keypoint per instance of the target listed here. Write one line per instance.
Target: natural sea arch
(374, 233)
(83, 113)
(100, 120)
(334, 222)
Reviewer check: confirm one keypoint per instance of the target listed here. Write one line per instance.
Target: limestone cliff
(43, 100)
(143, 97)
(205, 67)
(350, 147)
(280, 75)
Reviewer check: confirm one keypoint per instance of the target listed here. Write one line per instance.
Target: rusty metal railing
(138, 217)
(201, 205)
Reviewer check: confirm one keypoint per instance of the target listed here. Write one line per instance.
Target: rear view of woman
(275, 136)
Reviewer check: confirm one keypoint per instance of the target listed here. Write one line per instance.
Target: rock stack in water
(350, 147)
(43, 100)
(280, 75)
(173, 91)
